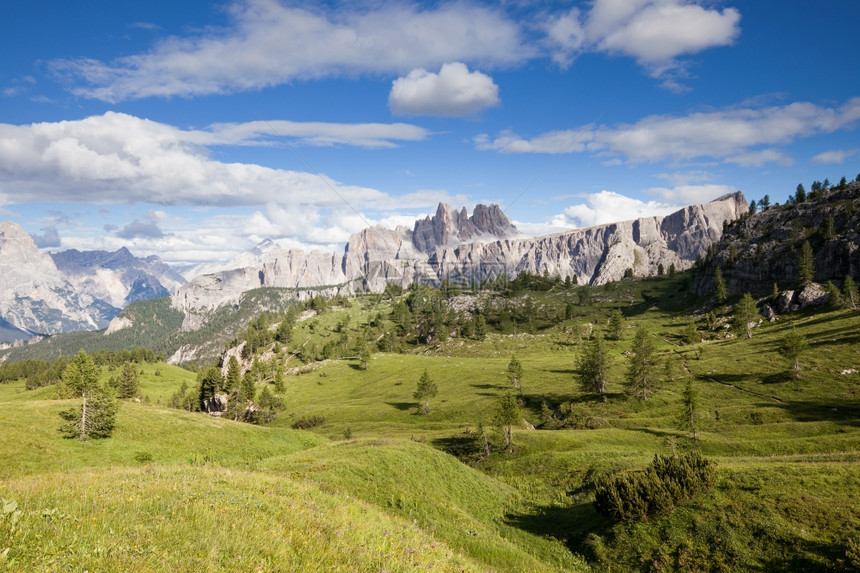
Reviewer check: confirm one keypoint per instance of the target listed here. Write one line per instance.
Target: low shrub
(665, 484)
(306, 422)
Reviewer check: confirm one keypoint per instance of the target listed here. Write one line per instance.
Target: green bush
(306, 422)
(668, 482)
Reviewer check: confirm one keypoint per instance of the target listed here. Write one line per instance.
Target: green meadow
(379, 486)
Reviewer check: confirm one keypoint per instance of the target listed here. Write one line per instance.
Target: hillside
(764, 248)
(376, 484)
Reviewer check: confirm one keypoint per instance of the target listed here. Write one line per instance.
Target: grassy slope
(787, 450)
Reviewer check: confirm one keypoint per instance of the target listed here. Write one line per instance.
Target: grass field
(378, 485)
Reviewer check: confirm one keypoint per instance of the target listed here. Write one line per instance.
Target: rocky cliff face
(764, 248)
(482, 246)
(35, 296)
(118, 278)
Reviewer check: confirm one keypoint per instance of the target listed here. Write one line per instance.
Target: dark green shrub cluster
(665, 484)
(306, 422)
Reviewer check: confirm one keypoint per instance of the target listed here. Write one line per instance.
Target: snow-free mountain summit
(460, 247)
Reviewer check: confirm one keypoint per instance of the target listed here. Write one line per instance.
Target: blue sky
(193, 130)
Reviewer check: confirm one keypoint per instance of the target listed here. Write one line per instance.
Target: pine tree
(129, 385)
(248, 388)
(234, 374)
(806, 264)
(641, 369)
(279, 378)
(792, 346)
(719, 286)
(849, 293)
(690, 410)
(616, 325)
(800, 197)
(745, 314)
(691, 334)
(210, 383)
(426, 389)
(765, 202)
(364, 353)
(594, 366)
(834, 300)
(515, 374)
(97, 415)
(507, 414)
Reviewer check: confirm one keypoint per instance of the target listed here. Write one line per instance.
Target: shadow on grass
(490, 386)
(840, 412)
(465, 448)
(403, 406)
(571, 525)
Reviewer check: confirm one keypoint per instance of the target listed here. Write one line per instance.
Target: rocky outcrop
(762, 249)
(461, 248)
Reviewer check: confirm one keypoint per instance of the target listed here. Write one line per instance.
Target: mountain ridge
(484, 246)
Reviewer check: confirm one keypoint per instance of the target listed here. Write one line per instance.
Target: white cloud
(270, 44)
(454, 91)
(730, 135)
(691, 194)
(120, 159)
(309, 133)
(654, 32)
(759, 158)
(835, 156)
(610, 207)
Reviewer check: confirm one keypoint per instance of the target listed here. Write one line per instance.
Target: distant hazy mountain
(36, 296)
(459, 247)
(72, 290)
(119, 277)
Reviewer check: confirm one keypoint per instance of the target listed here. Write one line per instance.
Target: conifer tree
(507, 414)
(210, 383)
(792, 346)
(806, 264)
(745, 314)
(129, 385)
(426, 389)
(96, 416)
(515, 374)
(594, 366)
(849, 293)
(616, 325)
(641, 367)
(689, 410)
(234, 374)
(719, 286)
(279, 378)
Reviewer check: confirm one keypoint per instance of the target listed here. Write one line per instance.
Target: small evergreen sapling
(594, 366)
(515, 374)
(426, 390)
(641, 367)
(792, 346)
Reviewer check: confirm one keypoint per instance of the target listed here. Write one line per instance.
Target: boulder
(812, 295)
(784, 301)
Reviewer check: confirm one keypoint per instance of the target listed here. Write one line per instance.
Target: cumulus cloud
(732, 135)
(835, 156)
(308, 44)
(454, 91)
(609, 207)
(654, 32)
(50, 237)
(121, 159)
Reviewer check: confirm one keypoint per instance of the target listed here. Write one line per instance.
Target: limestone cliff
(482, 246)
(764, 248)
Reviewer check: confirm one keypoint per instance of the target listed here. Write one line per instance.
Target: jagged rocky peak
(449, 227)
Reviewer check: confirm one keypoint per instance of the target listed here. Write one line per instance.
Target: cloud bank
(454, 91)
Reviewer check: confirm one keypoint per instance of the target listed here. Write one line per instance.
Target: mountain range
(469, 248)
(73, 290)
